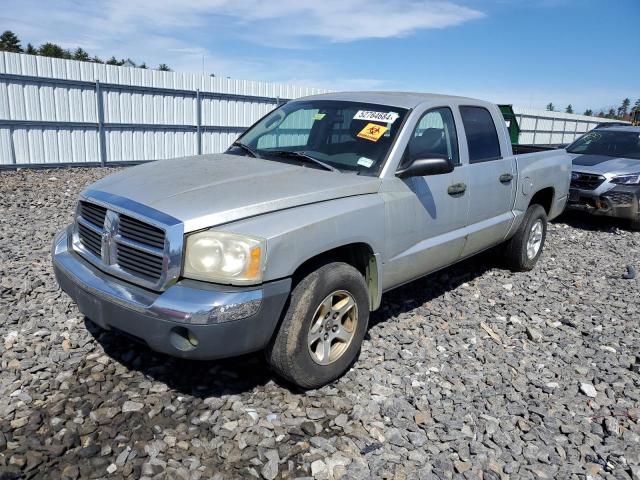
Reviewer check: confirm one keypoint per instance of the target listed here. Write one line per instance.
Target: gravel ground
(473, 372)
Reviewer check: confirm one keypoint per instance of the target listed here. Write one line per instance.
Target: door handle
(456, 189)
(506, 178)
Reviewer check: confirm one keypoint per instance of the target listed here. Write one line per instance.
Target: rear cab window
(482, 136)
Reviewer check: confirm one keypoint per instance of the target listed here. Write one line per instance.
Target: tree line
(9, 42)
(622, 112)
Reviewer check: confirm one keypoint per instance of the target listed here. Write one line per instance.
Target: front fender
(298, 234)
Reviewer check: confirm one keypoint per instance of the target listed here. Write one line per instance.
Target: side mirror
(420, 167)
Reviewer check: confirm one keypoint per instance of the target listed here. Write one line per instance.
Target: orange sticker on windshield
(372, 132)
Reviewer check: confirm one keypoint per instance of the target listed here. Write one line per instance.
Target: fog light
(183, 339)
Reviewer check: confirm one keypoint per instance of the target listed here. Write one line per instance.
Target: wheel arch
(359, 255)
(544, 197)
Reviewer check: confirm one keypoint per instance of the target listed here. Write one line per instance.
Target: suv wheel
(524, 248)
(323, 327)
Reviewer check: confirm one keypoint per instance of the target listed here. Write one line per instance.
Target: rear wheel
(322, 330)
(525, 247)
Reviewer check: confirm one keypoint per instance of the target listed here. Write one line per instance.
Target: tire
(517, 256)
(290, 353)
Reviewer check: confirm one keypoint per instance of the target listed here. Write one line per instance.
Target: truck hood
(209, 190)
(601, 164)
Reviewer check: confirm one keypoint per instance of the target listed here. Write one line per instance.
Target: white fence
(541, 127)
(55, 111)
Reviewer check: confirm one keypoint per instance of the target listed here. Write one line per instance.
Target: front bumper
(621, 201)
(190, 319)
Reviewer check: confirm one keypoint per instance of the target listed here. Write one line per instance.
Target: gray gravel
(473, 372)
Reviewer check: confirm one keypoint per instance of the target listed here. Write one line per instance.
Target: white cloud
(182, 33)
(333, 20)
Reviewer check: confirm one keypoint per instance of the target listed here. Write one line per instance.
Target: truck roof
(394, 99)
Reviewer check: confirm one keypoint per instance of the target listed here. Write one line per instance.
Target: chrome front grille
(90, 224)
(93, 213)
(90, 239)
(142, 247)
(139, 262)
(138, 231)
(586, 181)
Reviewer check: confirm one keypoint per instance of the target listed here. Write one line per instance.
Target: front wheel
(322, 330)
(525, 247)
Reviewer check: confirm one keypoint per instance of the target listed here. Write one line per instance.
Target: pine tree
(80, 54)
(9, 42)
(51, 50)
(623, 110)
(636, 106)
(601, 114)
(551, 107)
(611, 113)
(588, 112)
(163, 67)
(112, 61)
(31, 50)
(569, 109)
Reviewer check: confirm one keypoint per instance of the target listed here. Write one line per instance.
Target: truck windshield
(608, 142)
(348, 136)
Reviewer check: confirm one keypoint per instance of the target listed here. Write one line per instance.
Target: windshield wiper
(305, 157)
(246, 148)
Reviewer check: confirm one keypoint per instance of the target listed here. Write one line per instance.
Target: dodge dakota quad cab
(606, 173)
(287, 241)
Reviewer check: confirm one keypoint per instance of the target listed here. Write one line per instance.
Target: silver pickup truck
(287, 241)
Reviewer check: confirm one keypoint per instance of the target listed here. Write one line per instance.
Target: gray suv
(287, 241)
(606, 173)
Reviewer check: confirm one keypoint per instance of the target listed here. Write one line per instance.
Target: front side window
(482, 137)
(608, 142)
(349, 136)
(434, 136)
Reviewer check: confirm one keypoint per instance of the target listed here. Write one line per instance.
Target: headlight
(633, 179)
(224, 258)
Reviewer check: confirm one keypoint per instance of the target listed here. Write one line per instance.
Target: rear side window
(482, 137)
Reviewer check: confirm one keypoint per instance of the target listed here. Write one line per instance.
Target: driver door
(426, 224)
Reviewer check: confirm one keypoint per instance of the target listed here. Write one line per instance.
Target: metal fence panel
(55, 111)
(541, 127)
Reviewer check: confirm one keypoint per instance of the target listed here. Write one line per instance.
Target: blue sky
(524, 52)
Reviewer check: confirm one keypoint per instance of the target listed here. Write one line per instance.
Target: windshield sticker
(365, 162)
(319, 116)
(386, 117)
(372, 132)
